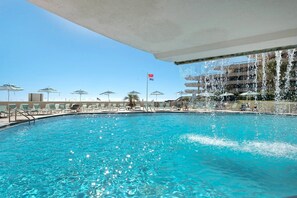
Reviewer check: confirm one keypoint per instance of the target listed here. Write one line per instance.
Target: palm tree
(132, 100)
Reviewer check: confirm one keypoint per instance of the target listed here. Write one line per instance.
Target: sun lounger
(12, 106)
(51, 108)
(3, 110)
(96, 107)
(122, 107)
(75, 108)
(25, 108)
(36, 109)
(114, 107)
(103, 107)
(137, 107)
(167, 106)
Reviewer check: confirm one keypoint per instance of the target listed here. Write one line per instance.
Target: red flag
(151, 76)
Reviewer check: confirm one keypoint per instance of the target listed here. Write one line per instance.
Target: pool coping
(8, 125)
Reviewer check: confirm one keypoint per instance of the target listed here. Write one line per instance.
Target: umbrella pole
(147, 92)
(8, 106)
(80, 97)
(47, 96)
(108, 97)
(156, 98)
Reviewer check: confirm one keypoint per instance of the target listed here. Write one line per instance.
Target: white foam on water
(275, 149)
(211, 140)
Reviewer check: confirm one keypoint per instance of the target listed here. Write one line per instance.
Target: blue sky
(39, 49)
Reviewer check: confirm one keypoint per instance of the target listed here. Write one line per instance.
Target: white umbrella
(249, 93)
(180, 93)
(206, 94)
(107, 93)
(48, 90)
(80, 92)
(133, 93)
(226, 94)
(157, 93)
(9, 88)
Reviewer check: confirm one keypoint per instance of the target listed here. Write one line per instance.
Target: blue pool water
(151, 155)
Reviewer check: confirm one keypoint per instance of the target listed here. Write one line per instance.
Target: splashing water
(278, 58)
(289, 69)
(265, 148)
(221, 75)
(264, 78)
(248, 72)
(256, 76)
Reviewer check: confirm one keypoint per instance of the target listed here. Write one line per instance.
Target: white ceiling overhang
(186, 30)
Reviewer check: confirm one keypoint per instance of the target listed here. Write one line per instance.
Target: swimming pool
(182, 155)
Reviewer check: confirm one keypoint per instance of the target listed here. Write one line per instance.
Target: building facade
(259, 74)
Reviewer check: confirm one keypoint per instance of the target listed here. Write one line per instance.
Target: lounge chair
(151, 106)
(84, 108)
(3, 110)
(90, 108)
(67, 108)
(75, 107)
(122, 107)
(25, 108)
(167, 106)
(137, 107)
(96, 107)
(114, 107)
(36, 109)
(12, 107)
(51, 108)
(61, 107)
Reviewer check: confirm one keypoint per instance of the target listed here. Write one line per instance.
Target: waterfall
(206, 76)
(289, 69)
(256, 75)
(278, 58)
(248, 73)
(221, 75)
(264, 78)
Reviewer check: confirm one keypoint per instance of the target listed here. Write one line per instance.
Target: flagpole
(146, 92)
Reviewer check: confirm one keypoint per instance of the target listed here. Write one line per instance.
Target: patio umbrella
(206, 94)
(107, 93)
(133, 93)
(181, 93)
(80, 92)
(9, 88)
(157, 93)
(226, 94)
(249, 93)
(48, 90)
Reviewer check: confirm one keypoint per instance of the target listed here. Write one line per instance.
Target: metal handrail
(25, 115)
